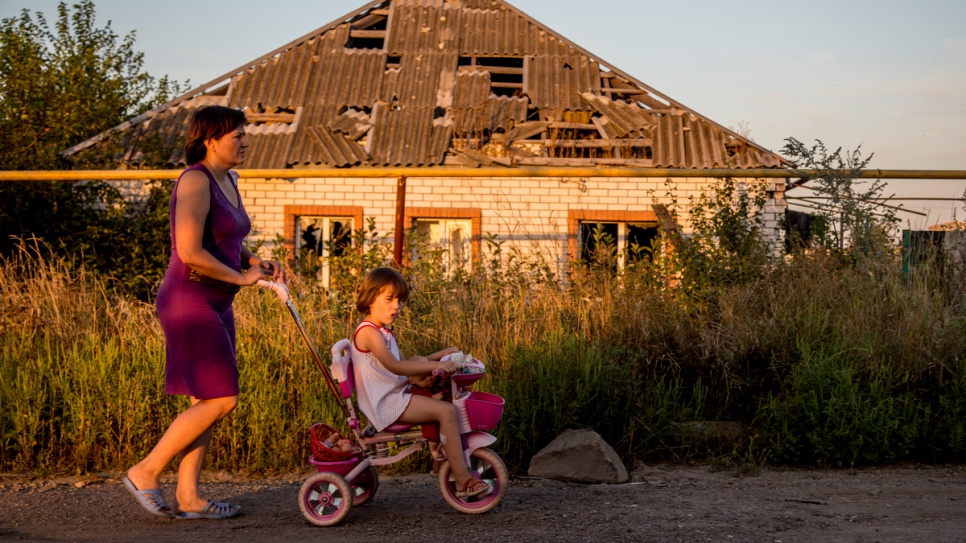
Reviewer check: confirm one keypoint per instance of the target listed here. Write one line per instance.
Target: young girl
(381, 373)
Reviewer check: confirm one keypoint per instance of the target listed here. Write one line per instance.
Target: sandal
(474, 487)
(438, 459)
(214, 510)
(152, 500)
(437, 464)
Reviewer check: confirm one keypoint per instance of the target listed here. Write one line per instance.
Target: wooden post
(397, 244)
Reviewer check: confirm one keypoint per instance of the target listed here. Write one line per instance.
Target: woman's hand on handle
(275, 270)
(253, 274)
(270, 270)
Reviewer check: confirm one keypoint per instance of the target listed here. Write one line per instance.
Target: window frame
(293, 212)
(474, 215)
(577, 217)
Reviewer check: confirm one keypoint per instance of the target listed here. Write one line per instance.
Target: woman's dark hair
(209, 122)
(375, 281)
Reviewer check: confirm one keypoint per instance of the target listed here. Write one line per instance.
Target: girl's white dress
(382, 395)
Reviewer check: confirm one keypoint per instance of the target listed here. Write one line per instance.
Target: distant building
(953, 226)
(453, 83)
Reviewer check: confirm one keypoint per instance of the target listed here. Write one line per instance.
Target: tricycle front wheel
(488, 466)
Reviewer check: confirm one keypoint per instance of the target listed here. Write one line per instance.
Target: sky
(885, 76)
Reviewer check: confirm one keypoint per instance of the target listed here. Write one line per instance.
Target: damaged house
(452, 84)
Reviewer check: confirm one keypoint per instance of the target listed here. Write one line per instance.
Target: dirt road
(662, 503)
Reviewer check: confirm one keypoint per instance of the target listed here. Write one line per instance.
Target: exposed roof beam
(583, 144)
(367, 33)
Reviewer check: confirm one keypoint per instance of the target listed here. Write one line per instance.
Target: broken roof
(444, 82)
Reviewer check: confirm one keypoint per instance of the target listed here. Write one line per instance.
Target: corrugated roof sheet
(278, 82)
(352, 78)
(305, 148)
(268, 150)
(407, 136)
(558, 75)
(427, 71)
(623, 119)
(337, 150)
(418, 29)
(495, 32)
(353, 123)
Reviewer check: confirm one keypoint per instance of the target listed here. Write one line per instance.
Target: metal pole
(873, 201)
(437, 172)
(317, 357)
(397, 243)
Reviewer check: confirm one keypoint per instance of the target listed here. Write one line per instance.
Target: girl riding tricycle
(472, 478)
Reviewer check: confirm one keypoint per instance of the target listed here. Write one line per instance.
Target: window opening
(446, 241)
(616, 244)
(320, 240)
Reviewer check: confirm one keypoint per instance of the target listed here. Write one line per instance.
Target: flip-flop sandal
(474, 487)
(214, 510)
(437, 464)
(438, 458)
(151, 500)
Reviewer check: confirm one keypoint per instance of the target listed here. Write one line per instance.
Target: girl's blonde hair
(373, 284)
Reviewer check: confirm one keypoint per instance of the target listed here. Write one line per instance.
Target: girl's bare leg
(183, 433)
(423, 409)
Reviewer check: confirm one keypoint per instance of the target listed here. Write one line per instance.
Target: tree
(58, 88)
(727, 245)
(849, 215)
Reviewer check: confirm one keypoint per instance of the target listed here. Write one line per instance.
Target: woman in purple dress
(209, 264)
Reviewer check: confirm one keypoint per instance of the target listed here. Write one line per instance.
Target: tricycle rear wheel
(325, 498)
(364, 487)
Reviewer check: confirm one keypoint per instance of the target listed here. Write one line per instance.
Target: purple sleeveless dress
(198, 321)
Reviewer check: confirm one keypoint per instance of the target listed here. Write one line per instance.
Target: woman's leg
(184, 432)
(189, 472)
(424, 409)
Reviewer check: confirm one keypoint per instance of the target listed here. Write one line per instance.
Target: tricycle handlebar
(279, 288)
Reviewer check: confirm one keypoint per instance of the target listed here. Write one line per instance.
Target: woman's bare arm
(193, 204)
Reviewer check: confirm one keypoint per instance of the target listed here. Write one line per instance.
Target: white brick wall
(530, 213)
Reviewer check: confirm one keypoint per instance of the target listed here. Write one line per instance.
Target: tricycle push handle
(279, 288)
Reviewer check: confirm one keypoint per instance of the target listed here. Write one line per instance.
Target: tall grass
(822, 360)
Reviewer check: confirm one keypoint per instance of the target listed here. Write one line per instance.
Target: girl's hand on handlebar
(448, 367)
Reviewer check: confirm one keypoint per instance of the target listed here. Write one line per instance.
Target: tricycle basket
(319, 433)
(482, 410)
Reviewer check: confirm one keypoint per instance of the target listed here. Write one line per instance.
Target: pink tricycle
(347, 473)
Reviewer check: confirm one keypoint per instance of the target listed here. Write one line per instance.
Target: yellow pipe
(436, 172)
